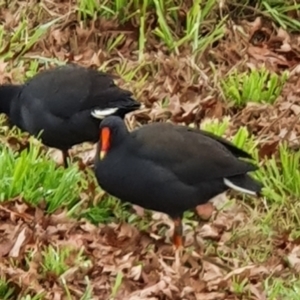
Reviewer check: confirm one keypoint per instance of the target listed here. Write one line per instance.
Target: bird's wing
(68, 90)
(230, 146)
(191, 155)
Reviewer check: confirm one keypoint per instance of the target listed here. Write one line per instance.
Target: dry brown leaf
(294, 258)
(153, 290)
(239, 271)
(139, 210)
(219, 200)
(210, 296)
(135, 272)
(265, 55)
(207, 231)
(22, 237)
(205, 211)
(257, 293)
(268, 149)
(5, 246)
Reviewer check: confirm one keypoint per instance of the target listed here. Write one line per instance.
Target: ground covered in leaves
(228, 67)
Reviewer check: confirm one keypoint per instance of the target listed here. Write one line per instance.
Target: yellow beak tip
(102, 154)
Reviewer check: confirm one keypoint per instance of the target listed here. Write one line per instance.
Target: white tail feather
(237, 188)
(102, 113)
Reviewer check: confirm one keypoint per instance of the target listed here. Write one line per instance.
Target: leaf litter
(121, 260)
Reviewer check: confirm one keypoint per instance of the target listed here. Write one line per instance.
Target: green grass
(278, 11)
(6, 291)
(56, 261)
(32, 177)
(259, 86)
(283, 175)
(280, 289)
(39, 296)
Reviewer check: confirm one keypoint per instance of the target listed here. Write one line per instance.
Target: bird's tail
(7, 93)
(119, 108)
(126, 105)
(102, 113)
(245, 184)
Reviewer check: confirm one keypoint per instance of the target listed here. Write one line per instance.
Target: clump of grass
(6, 291)
(99, 213)
(34, 177)
(260, 86)
(87, 9)
(57, 260)
(23, 37)
(110, 209)
(215, 126)
(117, 285)
(197, 14)
(279, 11)
(89, 290)
(107, 9)
(38, 296)
(281, 176)
(277, 288)
(283, 13)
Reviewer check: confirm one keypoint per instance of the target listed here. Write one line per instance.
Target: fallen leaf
(22, 236)
(205, 211)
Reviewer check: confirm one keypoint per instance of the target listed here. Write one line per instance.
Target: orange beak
(105, 142)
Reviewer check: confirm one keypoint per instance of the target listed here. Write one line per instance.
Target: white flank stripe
(237, 188)
(102, 113)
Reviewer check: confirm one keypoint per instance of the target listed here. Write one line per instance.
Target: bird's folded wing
(190, 155)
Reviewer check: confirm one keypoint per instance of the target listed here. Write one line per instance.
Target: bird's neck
(8, 93)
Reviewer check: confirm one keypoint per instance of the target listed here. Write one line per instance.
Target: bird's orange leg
(177, 236)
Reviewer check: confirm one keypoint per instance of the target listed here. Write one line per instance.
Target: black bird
(169, 168)
(66, 104)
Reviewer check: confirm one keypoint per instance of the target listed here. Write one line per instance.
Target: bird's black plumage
(170, 168)
(60, 101)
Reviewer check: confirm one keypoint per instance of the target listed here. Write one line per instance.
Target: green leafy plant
(279, 11)
(33, 177)
(39, 296)
(57, 260)
(6, 291)
(260, 86)
(198, 13)
(281, 176)
(282, 289)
